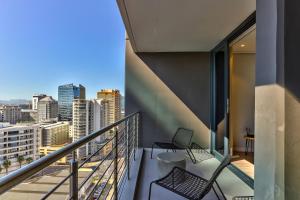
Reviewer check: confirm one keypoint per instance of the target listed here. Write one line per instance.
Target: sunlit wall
(171, 90)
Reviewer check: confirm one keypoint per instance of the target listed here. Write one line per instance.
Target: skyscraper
(111, 100)
(47, 109)
(87, 116)
(81, 124)
(66, 94)
(110, 113)
(96, 114)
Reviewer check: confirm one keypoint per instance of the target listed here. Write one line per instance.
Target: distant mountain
(15, 101)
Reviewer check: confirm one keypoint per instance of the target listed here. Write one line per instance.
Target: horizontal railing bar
(122, 163)
(123, 170)
(122, 179)
(110, 187)
(113, 194)
(119, 159)
(16, 177)
(89, 176)
(56, 187)
(121, 139)
(123, 129)
(130, 145)
(105, 184)
(94, 187)
(122, 183)
(124, 134)
(86, 160)
(121, 148)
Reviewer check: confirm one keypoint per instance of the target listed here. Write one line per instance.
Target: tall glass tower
(66, 94)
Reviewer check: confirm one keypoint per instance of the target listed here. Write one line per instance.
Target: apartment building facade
(47, 109)
(35, 100)
(111, 100)
(19, 140)
(81, 123)
(55, 134)
(88, 117)
(29, 115)
(9, 113)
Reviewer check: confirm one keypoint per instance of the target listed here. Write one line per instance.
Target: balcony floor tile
(228, 181)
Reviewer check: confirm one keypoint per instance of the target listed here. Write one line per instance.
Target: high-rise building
(110, 113)
(19, 140)
(71, 132)
(55, 134)
(35, 100)
(81, 124)
(111, 101)
(96, 114)
(87, 116)
(66, 94)
(47, 109)
(106, 118)
(11, 114)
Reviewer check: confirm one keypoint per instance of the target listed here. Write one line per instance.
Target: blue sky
(45, 43)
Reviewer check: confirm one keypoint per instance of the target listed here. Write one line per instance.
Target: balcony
(230, 184)
(102, 174)
(125, 176)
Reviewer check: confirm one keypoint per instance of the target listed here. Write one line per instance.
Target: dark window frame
(224, 44)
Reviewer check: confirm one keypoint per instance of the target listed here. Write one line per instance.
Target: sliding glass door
(220, 97)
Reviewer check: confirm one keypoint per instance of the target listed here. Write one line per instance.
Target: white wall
(242, 97)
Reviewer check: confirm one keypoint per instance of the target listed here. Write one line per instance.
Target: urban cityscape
(33, 130)
(149, 99)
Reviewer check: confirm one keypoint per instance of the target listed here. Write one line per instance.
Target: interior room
(242, 101)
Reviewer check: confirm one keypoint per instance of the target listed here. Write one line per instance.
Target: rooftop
(47, 98)
(20, 125)
(53, 125)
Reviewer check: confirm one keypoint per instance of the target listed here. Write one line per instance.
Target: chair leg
(246, 147)
(223, 195)
(152, 150)
(150, 188)
(191, 155)
(215, 192)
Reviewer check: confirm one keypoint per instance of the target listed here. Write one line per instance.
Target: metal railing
(109, 163)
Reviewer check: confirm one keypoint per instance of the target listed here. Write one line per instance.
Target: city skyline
(21, 99)
(44, 45)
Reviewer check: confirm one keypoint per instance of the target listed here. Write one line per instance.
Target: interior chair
(189, 185)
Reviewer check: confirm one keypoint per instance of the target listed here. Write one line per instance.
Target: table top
(171, 156)
(249, 137)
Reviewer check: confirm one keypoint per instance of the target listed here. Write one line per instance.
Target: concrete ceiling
(246, 44)
(182, 25)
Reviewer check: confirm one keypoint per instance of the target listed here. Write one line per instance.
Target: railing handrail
(18, 176)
